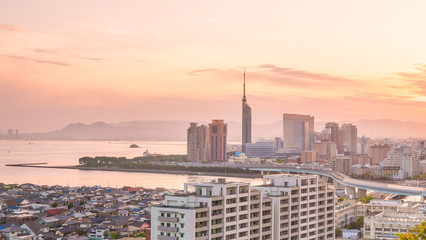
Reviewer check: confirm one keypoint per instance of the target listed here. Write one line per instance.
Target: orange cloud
(37, 60)
(11, 28)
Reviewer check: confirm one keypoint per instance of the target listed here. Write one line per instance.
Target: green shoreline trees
(155, 163)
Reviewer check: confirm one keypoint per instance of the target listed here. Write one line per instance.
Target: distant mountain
(176, 130)
(391, 128)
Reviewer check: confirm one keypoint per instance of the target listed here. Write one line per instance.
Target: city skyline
(113, 62)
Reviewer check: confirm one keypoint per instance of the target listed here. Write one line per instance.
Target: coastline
(215, 174)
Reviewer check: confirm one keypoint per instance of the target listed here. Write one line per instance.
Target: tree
(365, 199)
(82, 232)
(416, 233)
(115, 235)
(360, 222)
(70, 206)
(106, 234)
(141, 234)
(54, 205)
(338, 232)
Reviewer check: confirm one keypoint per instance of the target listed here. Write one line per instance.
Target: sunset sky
(104, 60)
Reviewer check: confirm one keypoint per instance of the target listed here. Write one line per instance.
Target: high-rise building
(198, 143)
(365, 144)
(278, 143)
(309, 156)
(283, 207)
(341, 164)
(336, 135)
(218, 131)
(10, 133)
(298, 131)
(334, 131)
(378, 153)
(404, 157)
(303, 206)
(246, 119)
(213, 210)
(350, 138)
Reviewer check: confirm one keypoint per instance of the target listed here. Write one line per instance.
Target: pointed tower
(246, 118)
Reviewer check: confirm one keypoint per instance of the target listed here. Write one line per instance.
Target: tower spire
(244, 87)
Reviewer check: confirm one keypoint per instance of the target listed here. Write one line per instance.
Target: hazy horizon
(110, 61)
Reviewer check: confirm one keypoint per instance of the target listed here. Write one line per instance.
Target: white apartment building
(386, 206)
(404, 157)
(303, 207)
(380, 225)
(345, 212)
(213, 211)
(283, 207)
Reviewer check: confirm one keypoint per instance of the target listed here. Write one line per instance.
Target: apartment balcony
(265, 233)
(243, 212)
(216, 235)
(244, 194)
(254, 235)
(202, 219)
(168, 229)
(201, 229)
(268, 224)
(219, 225)
(203, 237)
(218, 216)
(254, 227)
(294, 211)
(168, 219)
(160, 237)
(217, 207)
(266, 208)
(231, 205)
(203, 209)
(285, 220)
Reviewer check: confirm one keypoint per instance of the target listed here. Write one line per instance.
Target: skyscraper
(350, 138)
(298, 131)
(335, 135)
(198, 143)
(218, 139)
(246, 118)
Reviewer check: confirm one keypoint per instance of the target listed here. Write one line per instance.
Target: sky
(102, 60)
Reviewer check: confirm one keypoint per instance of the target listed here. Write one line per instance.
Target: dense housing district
(284, 206)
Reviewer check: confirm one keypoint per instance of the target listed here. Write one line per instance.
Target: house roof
(33, 226)
(12, 229)
(129, 228)
(53, 212)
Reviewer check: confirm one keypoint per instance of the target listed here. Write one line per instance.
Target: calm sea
(65, 153)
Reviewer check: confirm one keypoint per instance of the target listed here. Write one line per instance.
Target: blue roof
(237, 153)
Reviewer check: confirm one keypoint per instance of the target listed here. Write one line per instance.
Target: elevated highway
(354, 186)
